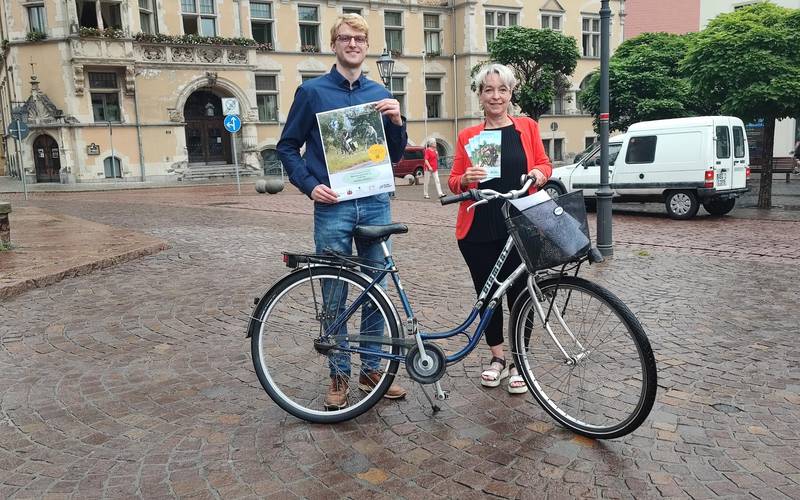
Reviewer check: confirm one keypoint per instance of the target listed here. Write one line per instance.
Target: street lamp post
(604, 241)
(386, 69)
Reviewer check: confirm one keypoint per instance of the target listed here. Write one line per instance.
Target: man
(345, 85)
(431, 169)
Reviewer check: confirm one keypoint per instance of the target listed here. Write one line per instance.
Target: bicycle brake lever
(476, 204)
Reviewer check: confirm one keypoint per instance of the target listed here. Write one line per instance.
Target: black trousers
(481, 258)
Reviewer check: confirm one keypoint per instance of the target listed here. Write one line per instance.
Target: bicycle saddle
(379, 232)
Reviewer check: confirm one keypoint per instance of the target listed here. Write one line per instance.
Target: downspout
(138, 127)
(455, 73)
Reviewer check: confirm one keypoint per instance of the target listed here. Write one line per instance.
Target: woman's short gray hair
(431, 141)
(504, 72)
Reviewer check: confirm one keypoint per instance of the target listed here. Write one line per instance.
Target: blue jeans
(333, 230)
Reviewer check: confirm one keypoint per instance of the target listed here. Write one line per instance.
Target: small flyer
(484, 151)
(356, 155)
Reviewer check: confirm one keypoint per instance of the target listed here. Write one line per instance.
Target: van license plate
(721, 177)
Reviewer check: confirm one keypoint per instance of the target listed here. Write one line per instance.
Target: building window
(112, 167)
(199, 17)
(433, 97)
(559, 104)
(551, 22)
(496, 21)
(558, 150)
(267, 98)
(433, 46)
(591, 37)
(393, 22)
(351, 10)
(109, 14)
(398, 89)
(36, 19)
(105, 96)
(309, 27)
(261, 22)
(308, 76)
(147, 17)
(590, 140)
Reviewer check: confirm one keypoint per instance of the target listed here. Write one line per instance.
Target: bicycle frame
(419, 337)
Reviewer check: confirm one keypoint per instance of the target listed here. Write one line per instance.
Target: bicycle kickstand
(440, 395)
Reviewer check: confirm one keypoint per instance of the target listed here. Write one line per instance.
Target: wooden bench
(780, 165)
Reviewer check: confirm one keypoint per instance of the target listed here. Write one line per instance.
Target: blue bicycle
(581, 351)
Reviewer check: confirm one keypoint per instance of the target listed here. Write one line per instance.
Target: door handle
(641, 176)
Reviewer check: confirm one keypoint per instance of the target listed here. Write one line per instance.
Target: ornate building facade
(123, 90)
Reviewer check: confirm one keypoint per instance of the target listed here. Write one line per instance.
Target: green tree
(749, 61)
(645, 82)
(542, 61)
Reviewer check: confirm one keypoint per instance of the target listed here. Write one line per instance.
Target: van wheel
(681, 205)
(553, 189)
(418, 174)
(718, 206)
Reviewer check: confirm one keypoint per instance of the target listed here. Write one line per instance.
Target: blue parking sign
(232, 123)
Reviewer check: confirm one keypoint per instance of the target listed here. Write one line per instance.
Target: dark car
(412, 163)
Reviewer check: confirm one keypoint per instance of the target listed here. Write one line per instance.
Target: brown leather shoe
(336, 399)
(366, 382)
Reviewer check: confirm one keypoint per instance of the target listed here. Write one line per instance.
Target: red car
(412, 163)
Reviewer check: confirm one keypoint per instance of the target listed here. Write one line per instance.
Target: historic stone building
(124, 90)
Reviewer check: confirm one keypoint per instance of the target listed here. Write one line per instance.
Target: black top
(488, 223)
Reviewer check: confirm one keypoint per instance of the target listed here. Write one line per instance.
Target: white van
(683, 162)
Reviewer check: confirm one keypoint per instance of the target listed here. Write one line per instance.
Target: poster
(356, 155)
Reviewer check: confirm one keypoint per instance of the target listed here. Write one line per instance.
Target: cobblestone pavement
(136, 380)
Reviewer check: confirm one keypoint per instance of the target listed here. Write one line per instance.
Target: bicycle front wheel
(299, 353)
(596, 374)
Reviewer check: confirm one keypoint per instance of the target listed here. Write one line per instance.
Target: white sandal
(516, 378)
(496, 372)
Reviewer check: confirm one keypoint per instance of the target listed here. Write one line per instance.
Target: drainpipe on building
(455, 74)
(138, 128)
(425, 94)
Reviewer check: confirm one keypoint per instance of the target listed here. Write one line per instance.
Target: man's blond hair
(355, 21)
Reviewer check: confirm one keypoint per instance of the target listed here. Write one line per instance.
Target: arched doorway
(207, 141)
(47, 159)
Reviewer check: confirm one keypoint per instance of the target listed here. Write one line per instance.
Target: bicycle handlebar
(481, 196)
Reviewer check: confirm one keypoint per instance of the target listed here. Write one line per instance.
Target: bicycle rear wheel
(296, 359)
(606, 384)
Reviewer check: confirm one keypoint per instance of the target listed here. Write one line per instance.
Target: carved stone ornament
(154, 53)
(175, 115)
(210, 55)
(182, 54)
(237, 56)
(79, 79)
(211, 76)
(130, 80)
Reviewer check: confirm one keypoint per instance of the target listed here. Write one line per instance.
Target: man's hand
(539, 178)
(324, 194)
(391, 109)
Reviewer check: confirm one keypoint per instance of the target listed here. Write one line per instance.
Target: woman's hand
(473, 174)
(538, 178)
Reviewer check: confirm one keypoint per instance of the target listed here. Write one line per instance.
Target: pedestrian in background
(796, 156)
(345, 85)
(431, 169)
(482, 232)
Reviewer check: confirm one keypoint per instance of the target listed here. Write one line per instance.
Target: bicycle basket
(551, 233)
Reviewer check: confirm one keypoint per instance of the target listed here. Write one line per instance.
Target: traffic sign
(18, 129)
(230, 106)
(232, 123)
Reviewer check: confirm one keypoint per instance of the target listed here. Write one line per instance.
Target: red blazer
(534, 152)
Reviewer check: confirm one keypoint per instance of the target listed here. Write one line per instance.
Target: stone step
(207, 171)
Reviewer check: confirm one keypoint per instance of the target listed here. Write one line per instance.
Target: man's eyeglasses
(345, 39)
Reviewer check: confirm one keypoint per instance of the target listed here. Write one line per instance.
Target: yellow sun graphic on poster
(376, 152)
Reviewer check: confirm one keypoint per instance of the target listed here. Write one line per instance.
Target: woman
(482, 232)
(431, 168)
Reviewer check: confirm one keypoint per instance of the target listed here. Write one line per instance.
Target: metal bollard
(5, 224)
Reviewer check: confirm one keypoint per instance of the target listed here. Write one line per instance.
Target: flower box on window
(35, 36)
(309, 48)
(265, 47)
